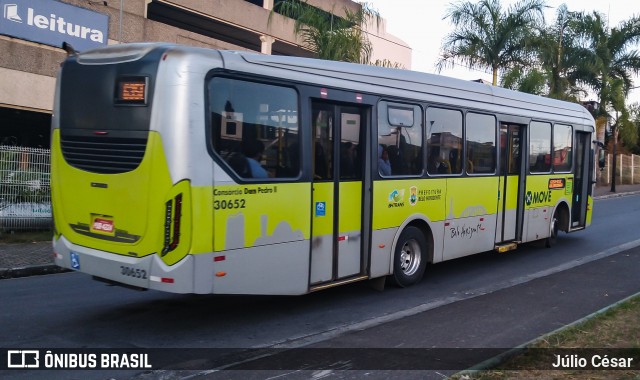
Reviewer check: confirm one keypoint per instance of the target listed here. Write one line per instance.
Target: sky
(420, 24)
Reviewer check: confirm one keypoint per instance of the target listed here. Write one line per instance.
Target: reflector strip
(219, 258)
(343, 238)
(166, 280)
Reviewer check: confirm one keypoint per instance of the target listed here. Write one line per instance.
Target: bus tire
(410, 257)
(553, 231)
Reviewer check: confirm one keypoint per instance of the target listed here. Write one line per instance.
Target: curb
(616, 195)
(499, 359)
(33, 270)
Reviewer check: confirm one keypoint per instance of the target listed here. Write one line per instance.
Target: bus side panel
(381, 252)
(261, 238)
(202, 225)
(543, 194)
(471, 215)
(395, 204)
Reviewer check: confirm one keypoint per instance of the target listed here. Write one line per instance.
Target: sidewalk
(28, 259)
(621, 190)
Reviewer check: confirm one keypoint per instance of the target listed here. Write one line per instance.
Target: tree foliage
(485, 37)
(331, 37)
(608, 58)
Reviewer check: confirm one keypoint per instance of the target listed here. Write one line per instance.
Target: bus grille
(104, 155)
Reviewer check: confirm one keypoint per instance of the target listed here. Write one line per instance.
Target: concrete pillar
(267, 41)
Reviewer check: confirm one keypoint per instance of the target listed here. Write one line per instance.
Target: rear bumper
(148, 272)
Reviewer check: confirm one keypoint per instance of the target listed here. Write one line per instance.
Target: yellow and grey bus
(193, 170)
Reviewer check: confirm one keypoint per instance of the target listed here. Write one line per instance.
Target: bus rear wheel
(410, 257)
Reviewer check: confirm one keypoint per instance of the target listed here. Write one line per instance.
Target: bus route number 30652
(133, 272)
(228, 204)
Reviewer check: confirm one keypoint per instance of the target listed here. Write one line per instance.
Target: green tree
(609, 60)
(552, 72)
(485, 37)
(634, 112)
(328, 35)
(530, 80)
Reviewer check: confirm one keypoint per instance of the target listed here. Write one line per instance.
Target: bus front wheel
(410, 257)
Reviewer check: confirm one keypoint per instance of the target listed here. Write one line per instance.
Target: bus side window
(540, 147)
(254, 128)
(562, 147)
(400, 139)
(444, 141)
(481, 143)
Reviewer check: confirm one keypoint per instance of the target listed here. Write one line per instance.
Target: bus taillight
(173, 215)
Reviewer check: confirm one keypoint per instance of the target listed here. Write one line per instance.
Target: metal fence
(627, 169)
(25, 192)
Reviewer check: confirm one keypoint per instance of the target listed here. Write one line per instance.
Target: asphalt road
(486, 301)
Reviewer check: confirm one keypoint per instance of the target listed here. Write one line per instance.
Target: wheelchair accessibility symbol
(75, 261)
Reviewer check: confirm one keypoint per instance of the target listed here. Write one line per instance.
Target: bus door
(582, 179)
(512, 177)
(338, 164)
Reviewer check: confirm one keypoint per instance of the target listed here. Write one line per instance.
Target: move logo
(52, 23)
(538, 197)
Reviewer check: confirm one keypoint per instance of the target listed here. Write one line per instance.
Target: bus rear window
(254, 128)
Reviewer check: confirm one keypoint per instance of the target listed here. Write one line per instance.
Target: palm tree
(329, 36)
(609, 61)
(486, 38)
(556, 61)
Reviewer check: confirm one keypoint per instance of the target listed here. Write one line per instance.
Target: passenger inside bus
(349, 161)
(437, 165)
(239, 164)
(384, 166)
(253, 150)
(320, 162)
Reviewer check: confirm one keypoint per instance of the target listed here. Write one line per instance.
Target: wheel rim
(410, 257)
(554, 228)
